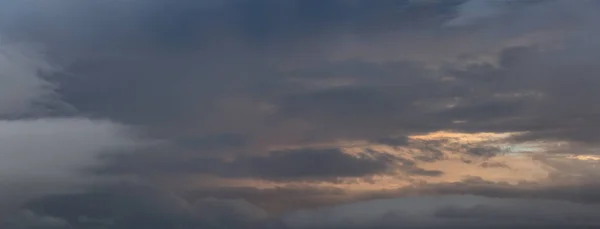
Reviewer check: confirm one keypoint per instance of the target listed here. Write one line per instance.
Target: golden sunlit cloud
(520, 163)
(585, 157)
(464, 137)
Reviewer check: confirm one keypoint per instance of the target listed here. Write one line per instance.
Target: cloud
(268, 94)
(29, 219)
(307, 164)
(21, 86)
(576, 184)
(235, 212)
(41, 151)
(450, 211)
(50, 155)
(277, 200)
(474, 10)
(142, 206)
(263, 90)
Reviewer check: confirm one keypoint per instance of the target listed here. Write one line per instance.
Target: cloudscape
(299, 114)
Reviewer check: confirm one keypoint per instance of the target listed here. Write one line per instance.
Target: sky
(299, 114)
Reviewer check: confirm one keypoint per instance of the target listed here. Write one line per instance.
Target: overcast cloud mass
(299, 114)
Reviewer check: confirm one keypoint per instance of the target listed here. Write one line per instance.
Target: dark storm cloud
(213, 142)
(170, 64)
(453, 204)
(301, 164)
(140, 206)
(184, 70)
(585, 192)
(234, 78)
(378, 100)
(187, 69)
(29, 219)
(552, 102)
(311, 164)
(452, 211)
(277, 200)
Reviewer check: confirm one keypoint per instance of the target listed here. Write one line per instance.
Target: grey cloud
(136, 206)
(42, 153)
(49, 155)
(23, 89)
(277, 200)
(234, 212)
(162, 98)
(383, 94)
(192, 92)
(558, 105)
(212, 142)
(473, 11)
(518, 95)
(452, 211)
(439, 149)
(238, 77)
(303, 164)
(429, 151)
(29, 219)
(584, 192)
(538, 213)
(484, 151)
(461, 205)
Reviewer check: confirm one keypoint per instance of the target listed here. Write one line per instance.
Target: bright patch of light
(585, 157)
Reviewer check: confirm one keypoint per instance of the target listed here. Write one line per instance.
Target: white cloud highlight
(20, 83)
(48, 155)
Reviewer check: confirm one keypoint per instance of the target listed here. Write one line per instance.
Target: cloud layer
(265, 107)
(42, 153)
(50, 155)
(449, 212)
